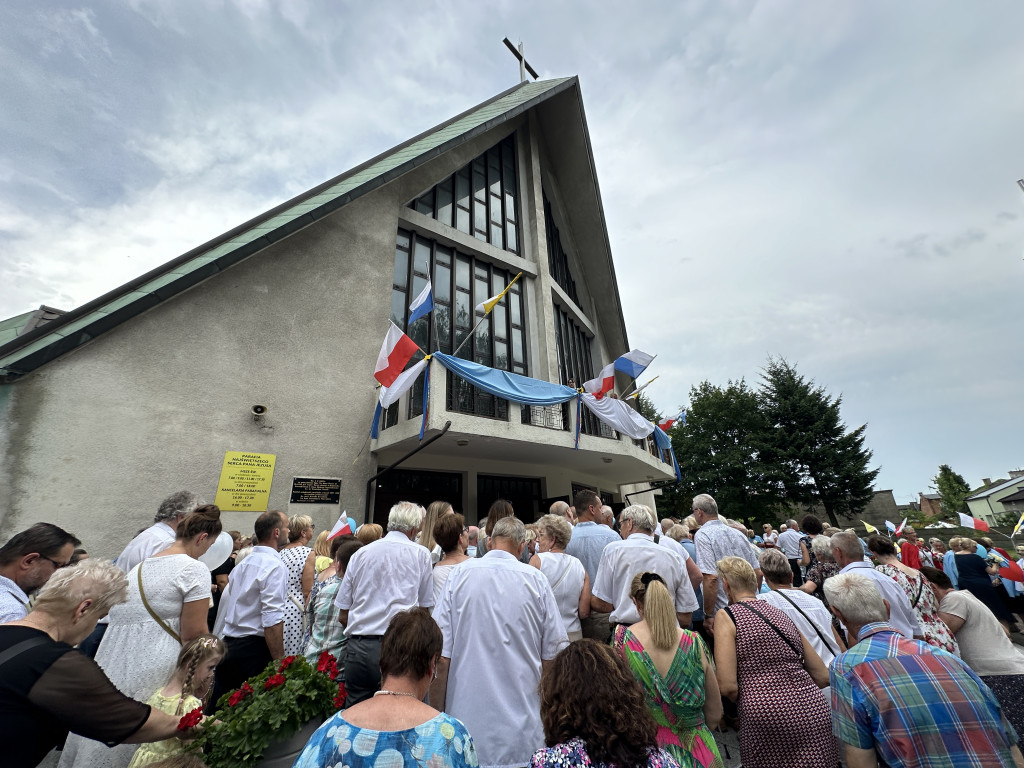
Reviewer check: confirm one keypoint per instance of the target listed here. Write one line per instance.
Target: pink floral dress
(922, 600)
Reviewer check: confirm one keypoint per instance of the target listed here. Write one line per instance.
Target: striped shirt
(917, 705)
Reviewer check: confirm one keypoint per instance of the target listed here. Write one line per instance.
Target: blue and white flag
(890, 526)
(633, 363)
(422, 305)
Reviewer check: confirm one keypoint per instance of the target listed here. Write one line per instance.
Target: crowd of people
(583, 638)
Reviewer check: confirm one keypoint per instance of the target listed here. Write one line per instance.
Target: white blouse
(565, 573)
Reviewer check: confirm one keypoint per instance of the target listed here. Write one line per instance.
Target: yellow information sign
(245, 481)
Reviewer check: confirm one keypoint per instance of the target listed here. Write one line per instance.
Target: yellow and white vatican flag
(485, 307)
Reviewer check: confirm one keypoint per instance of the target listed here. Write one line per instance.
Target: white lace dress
(137, 654)
(295, 605)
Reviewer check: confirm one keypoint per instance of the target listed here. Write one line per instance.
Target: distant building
(998, 498)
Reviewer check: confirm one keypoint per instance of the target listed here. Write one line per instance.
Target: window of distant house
(460, 282)
(480, 198)
(558, 259)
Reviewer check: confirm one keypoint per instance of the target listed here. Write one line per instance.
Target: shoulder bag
(828, 643)
(798, 651)
(154, 614)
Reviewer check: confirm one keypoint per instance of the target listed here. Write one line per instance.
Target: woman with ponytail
(168, 601)
(674, 670)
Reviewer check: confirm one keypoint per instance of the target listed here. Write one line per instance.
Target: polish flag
(603, 384)
(972, 522)
(396, 351)
(341, 528)
(899, 530)
(666, 424)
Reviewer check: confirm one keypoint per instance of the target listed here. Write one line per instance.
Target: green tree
(806, 440)
(718, 450)
(646, 408)
(953, 490)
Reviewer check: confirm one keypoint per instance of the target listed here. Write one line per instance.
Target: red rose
(240, 694)
(191, 720)
(339, 700)
(273, 682)
(286, 662)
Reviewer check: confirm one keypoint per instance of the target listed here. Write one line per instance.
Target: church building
(264, 342)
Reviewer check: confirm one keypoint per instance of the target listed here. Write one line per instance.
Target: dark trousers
(246, 657)
(798, 579)
(91, 644)
(362, 668)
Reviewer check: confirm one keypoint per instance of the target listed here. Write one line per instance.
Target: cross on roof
(524, 65)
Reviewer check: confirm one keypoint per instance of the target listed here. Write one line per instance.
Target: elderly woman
(435, 512)
(168, 602)
(300, 560)
(808, 613)
(49, 688)
(984, 644)
(395, 727)
(565, 573)
(934, 631)
(452, 536)
(972, 575)
(775, 677)
(674, 670)
(369, 533)
(594, 713)
(824, 568)
(326, 632)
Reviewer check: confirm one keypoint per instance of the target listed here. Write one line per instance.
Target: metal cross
(524, 65)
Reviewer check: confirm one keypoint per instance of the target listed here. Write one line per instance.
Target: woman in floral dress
(674, 670)
(921, 597)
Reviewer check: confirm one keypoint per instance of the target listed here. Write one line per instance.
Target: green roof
(22, 354)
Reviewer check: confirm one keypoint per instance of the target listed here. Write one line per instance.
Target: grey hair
(405, 516)
(678, 532)
(775, 567)
(792, 524)
(99, 580)
(557, 527)
(641, 516)
(856, 597)
(706, 504)
(558, 508)
(848, 544)
(606, 511)
(821, 546)
(934, 539)
(666, 525)
(511, 528)
(178, 505)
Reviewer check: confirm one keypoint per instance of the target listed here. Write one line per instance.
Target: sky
(832, 183)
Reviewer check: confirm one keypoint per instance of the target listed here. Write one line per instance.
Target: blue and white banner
(422, 305)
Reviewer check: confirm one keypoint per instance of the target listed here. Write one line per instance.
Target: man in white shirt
(848, 552)
(250, 618)
(789, 543)
(637, 553)
(386, 576)
(27, 562)
(501, 627)
(159, 536)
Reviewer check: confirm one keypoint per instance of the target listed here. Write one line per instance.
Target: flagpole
(626, 393)
(471, 334)
(640, 389)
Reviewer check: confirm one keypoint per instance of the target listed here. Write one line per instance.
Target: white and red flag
(395, 353)
(972, 522)
(603, 384)
(899, 530)
(341, 528)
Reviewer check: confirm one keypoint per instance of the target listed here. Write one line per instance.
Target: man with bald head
(849, 556)
(562, 509)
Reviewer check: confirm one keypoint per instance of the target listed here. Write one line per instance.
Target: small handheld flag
(869, 528)
(485, 307)
(603, 384)
(890, 526)
(899, 530)
(1019, 525)
(972, 522)
(341, 528)
(422, 305)
(633, 363)
(667, 424)
(395, 353)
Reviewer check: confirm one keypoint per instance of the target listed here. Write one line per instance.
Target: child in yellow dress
(189, 685)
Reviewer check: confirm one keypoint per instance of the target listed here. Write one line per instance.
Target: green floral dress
(676, 701)
(441, 742)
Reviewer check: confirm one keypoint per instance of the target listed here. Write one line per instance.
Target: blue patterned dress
(441, 742)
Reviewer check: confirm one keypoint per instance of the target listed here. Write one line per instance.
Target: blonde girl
(187, 689)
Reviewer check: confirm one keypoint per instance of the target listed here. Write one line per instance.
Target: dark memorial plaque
(316, 490)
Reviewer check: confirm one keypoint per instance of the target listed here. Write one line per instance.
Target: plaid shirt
(918, 706)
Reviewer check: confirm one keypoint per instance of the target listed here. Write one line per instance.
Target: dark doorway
(523, 492)
(418, 485)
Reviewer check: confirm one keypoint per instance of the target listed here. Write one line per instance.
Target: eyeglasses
(55, 564)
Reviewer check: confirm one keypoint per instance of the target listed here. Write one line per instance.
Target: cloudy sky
(834, 183)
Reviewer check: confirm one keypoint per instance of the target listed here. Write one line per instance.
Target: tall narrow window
(575, 365)
(460, 282)
(558, 259)
(480, 198)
